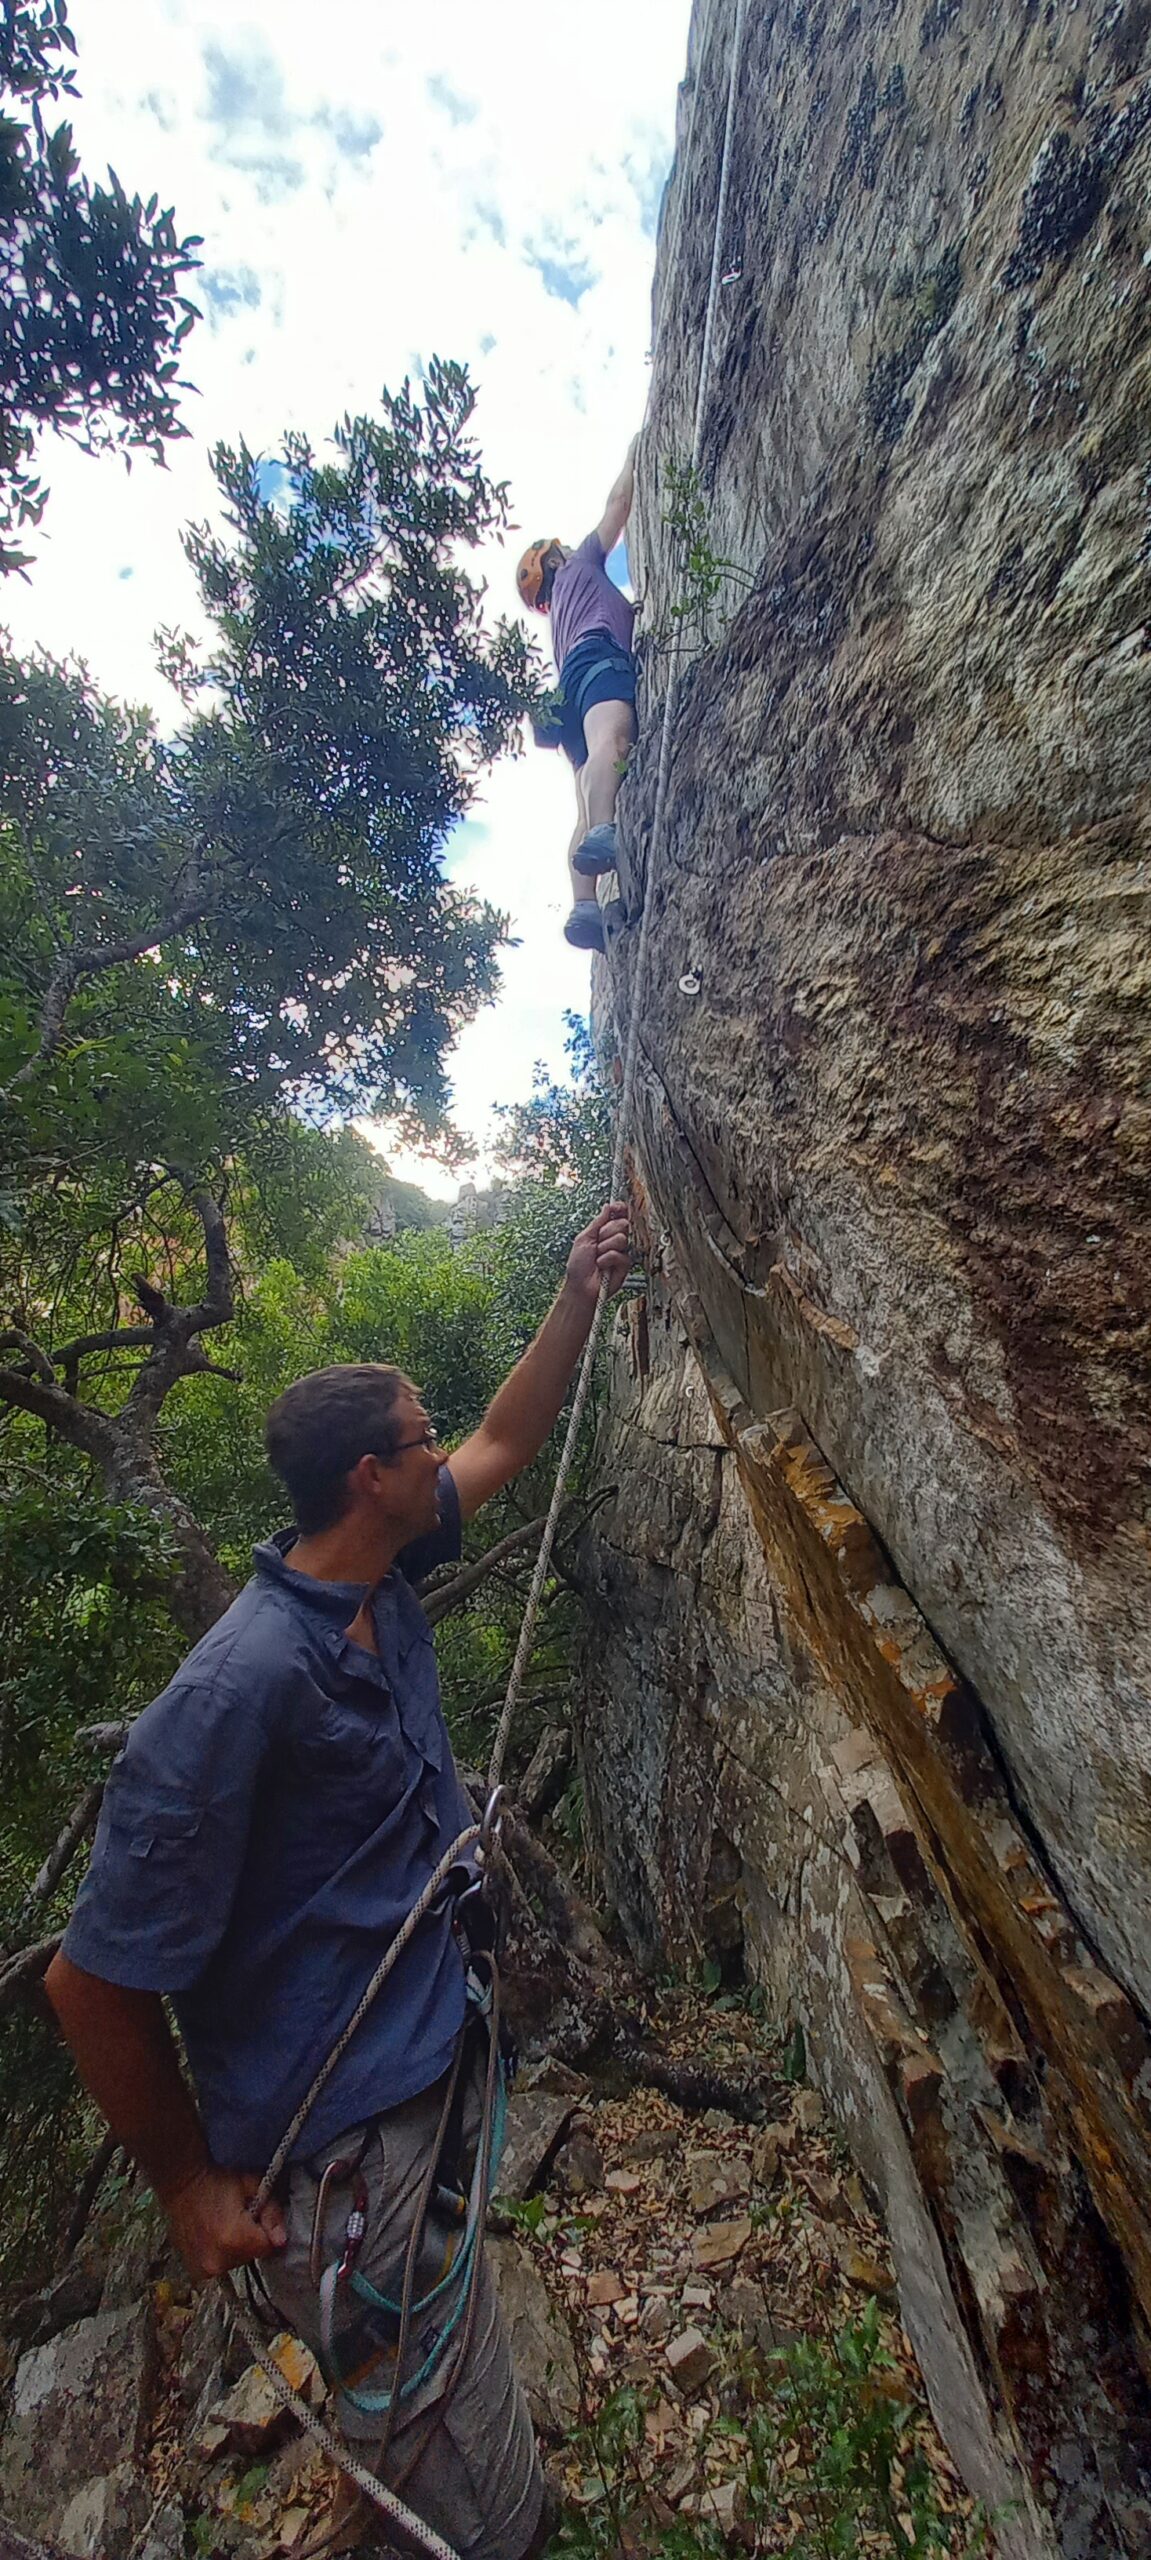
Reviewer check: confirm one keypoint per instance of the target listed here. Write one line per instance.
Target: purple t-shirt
(584, 599)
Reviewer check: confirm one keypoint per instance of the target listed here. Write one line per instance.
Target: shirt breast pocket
(353, 1769)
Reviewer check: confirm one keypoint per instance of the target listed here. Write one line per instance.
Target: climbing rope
(453, 1857)
(408, 2529)
(631, 1054)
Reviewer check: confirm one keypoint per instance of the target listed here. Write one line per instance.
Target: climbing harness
(559, 722)
(476, 1851)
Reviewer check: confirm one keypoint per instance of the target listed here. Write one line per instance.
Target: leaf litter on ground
(712, 2249)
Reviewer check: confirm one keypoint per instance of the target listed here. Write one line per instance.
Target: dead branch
(198, 1365)
(88, 2190)
(564, 1912)
(92, 962)
(695, 2091)
(81, 1425)
(124, 1337)
(133, 1337)
(439, 1598)
(38, 1360)
(217, 1306)
(174, 1350)
(451, 1595)
(105, 1737)
(25, 1971)
(545, 1777)
(80, 1823)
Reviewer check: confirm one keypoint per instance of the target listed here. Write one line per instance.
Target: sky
(377, 184)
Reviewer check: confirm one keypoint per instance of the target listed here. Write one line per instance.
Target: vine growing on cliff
(699, 575)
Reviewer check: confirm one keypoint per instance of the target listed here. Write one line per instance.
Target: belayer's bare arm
(618, 508)
(123, 2049)
(521, 1413)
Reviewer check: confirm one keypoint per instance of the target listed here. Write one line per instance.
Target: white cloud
(478, 183)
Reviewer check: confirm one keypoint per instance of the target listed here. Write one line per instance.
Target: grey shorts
(477, 2479)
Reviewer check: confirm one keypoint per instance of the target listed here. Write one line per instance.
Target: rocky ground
(702, 2308)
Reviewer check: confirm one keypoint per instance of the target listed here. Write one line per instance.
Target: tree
(204, 933)
(91, 315)
(282, 853)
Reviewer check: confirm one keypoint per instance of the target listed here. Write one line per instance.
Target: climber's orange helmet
(532, 573)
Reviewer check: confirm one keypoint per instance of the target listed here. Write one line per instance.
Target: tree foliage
(212, 938)
(269, 882)
(214, 947)
(92, 317)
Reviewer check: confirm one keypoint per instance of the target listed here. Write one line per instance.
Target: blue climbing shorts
(596, 670)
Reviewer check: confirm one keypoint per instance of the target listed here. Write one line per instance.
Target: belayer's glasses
(429, 1438)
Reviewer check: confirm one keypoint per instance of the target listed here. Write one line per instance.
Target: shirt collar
(336, 1602)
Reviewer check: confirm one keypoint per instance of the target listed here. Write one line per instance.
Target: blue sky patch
(489, 218)
(356, 136)
(246, 101)
(567, 278)
(228, 289)
(272, 480)
(246, 90)
(458, 110)
(647, 173)
(464, 841)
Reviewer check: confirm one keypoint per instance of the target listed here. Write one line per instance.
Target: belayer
(275, 1816)
(591, 630)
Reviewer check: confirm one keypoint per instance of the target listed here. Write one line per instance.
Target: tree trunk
(200, 1590)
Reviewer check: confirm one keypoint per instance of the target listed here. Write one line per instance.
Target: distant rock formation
(871, 1666)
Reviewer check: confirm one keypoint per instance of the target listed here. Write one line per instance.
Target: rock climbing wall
(870, 1678)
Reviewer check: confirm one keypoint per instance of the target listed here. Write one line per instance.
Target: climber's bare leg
(609, 732)
(581, 888)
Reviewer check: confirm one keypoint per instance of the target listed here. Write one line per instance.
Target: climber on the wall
(591, 624)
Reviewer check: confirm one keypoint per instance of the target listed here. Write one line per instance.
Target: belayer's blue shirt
(271, 1820)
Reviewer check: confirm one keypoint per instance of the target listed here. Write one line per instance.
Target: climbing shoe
(583, 926)
(597, 852)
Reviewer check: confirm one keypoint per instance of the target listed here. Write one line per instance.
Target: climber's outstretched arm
(618, 508)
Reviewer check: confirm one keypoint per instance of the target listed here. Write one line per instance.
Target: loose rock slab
(537, 2122)
(540, 2340)
(79, 2409)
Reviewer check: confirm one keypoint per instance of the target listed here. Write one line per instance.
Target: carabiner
(492, 1824)
(354, 2229)
(336, 2174)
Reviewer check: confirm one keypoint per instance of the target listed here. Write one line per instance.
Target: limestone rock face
(872, 1675)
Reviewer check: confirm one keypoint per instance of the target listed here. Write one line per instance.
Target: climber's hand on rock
(212, 2225)
(602, 1252)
